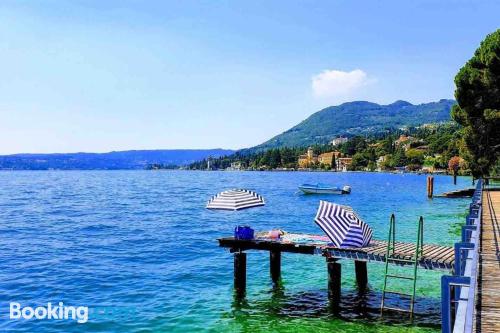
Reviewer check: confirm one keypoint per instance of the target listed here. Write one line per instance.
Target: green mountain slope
(359, 118)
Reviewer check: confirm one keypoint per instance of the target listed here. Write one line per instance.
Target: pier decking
(488, 293)
(471, 297)
(434, 256)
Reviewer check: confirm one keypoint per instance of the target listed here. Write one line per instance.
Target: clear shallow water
(139, 249)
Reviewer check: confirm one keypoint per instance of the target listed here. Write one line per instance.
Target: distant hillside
(132, 159)
(359, 118)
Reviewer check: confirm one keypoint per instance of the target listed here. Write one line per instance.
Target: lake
(139, 249)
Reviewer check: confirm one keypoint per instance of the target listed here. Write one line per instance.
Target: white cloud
(339, 85)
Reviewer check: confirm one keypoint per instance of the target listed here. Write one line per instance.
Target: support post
(334, 280)
(361, 270)
(275, 265)
(240, 273)
(430, 186)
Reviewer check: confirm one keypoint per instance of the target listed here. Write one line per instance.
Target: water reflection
(355, 305)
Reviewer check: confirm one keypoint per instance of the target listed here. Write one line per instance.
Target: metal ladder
(389, 256)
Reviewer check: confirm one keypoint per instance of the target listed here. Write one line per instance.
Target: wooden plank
(405, 251)
(488, 294)
(441, 255)
(437, 253)
(450, 257)
(433, 252)
(379, 250)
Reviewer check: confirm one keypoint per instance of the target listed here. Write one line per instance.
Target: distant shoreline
(237, 171)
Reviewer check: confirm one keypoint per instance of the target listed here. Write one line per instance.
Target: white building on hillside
(339, 141)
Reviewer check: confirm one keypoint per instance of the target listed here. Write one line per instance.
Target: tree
(275, 158)
(454, 165)
(372, 166)
(359, 161)
(478, 110)
(415, 158)
(398, 158)
(334, 162)
(354, 145)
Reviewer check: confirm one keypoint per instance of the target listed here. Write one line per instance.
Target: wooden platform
(434, 256)
(463, 193)
(488, 294)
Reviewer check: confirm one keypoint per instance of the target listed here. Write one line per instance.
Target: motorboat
(324, 189)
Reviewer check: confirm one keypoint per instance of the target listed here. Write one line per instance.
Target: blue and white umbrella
(342, 225)
(235, 200)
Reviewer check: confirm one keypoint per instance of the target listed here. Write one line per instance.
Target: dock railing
(458, 291)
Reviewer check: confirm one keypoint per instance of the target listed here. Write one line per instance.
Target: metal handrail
(463, 282)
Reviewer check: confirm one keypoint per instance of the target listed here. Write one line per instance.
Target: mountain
(359, 118)
(131, 159)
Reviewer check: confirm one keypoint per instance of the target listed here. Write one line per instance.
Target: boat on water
(324, 189)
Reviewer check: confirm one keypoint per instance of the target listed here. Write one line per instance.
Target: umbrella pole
(334, 280)
(240, 273)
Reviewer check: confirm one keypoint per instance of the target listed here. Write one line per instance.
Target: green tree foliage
(443, 142)
(354, 145)
(415, 158)
(364, 159)
(478, 110)
(358, 118)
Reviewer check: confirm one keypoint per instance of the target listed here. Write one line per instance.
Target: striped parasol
(342, 225)
(235, 200)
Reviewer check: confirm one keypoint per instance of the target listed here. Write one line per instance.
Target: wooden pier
(470, 290)
(470, 298)
(434, 257)
(488, 288)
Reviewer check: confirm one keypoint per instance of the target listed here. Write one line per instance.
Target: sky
(98, 76)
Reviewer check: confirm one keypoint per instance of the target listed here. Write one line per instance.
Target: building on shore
(343, 163)
(381, 161)
(332, 159)
(329, 158)
(339, 141)
(235, 166)
(308, 159)
(404, 141)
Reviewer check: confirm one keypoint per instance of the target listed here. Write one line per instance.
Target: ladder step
(395, 309)
(397, 293)
(400, 277)
(414, 257)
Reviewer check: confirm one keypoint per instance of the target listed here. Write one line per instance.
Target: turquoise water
(139, 249)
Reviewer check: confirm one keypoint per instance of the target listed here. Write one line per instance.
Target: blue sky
(105, 75)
